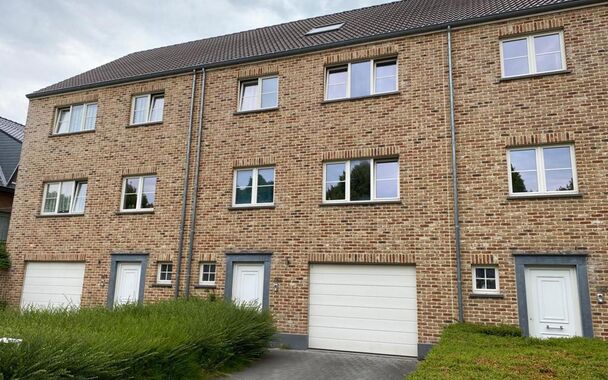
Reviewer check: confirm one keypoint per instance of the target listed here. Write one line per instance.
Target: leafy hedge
(169, 340)
(5, 261)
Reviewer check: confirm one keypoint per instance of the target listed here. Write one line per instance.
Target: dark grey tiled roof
(15, 130)
(366, 24)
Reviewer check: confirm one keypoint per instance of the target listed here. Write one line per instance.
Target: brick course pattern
(305, 131)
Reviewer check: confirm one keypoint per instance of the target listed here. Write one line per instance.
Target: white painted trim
(201, 272)
(140, 188)
(532, 53)
(474, 278)
(75, 186)
(254, 187)
(159, 271)
(85, 108)
(258, 95)
(372, 84)
(150, 98)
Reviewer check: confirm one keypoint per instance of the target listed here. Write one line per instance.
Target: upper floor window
(67, 197)
(361, 79)
(76, 118)
(147, 108)
(253, 187)
(542, 170)
(361, 180)
(138, 193)
(260, 93)
(537, 54)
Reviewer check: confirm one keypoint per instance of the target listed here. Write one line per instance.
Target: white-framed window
(138, 193)
(485, 280)
(542, 170)
(361, 180)
(535, 54)
(165, 273)
(359, 79)
(253, 187)
(67, 197)
(147, 108)
(75, 118)
(260, 93)
(207, 274)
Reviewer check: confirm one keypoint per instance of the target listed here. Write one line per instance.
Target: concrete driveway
(321, 365)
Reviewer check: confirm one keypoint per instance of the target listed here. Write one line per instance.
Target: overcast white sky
(45, 41)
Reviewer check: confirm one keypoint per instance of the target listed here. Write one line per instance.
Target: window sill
(161, 285)
(260, 110)
(71, 133)
(492, 296)
(59, 215)
(150, 124)
(527, 76)
(204, 286)
(366, 203)
(361, 97)
(544, 196)
(253, 207)
(135, 212)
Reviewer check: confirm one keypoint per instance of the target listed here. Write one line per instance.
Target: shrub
(5, 261)
(169, 340)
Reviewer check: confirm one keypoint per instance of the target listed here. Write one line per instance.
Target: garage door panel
(57, 281)
(363, 290)
(351, 322)
(363, 312)
(351, 345)
(52, 285)
(367, 270)
(358, 301)
(53, 289)
(358, 279)
(364, 335)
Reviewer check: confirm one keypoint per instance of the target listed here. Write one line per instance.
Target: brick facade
(305, 131)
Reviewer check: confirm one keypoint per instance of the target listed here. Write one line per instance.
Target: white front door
(553, 303)
(248, 284)
(128, 276)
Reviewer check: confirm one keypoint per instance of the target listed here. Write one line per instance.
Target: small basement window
(323, 29)
(165, 273)
(207, 274)
(485, 280)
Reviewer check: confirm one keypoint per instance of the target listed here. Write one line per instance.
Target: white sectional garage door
(52, 285)
(363, 308)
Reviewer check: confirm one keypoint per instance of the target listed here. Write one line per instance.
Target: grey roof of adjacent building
(360, 25)
(11, 139)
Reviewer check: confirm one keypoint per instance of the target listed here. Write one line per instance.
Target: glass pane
(387, 170)
(360, 181)
(386, 84)
(52, 191)
(516, 66)
(76, 118)
(132, 185)
(525, 182)
(158, 102)
(336, 83)
(130, 201)
(140, 112)
(547, 44)
(480, 284)
(270, 100)
(386, 69)
(387, 188)
(265, 177)
(335, 191)
(63, 121)
(147, 200)
(559, 180)
(270, 85)
(81, 195)
(480, 273)
(89, 123)
(205, 276)
(49, 204)
(490, 273)
(523, 160)
(149, 185)
(65, 197)
(491, 284)
(386, 77)
(515, 48)
(557, 158)
(335, 172)
(549, 62)
(249, 95)
(243, 195)
(265, 194)
(244, 178)
(212, 276)
(360, 79)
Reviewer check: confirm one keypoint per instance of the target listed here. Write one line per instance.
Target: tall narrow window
(537, 54)
(147, 108)
(360, 79)
(138, 193)
(67, 197)
(76, 118)
(260, 93)
(253, 186)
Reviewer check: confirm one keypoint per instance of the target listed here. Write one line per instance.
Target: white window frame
(372, 176)
(372, 84)
(540, 171)
(75, 188)
(150, 99)
(140, 190)
(69, 118)
(474, 277)
(160, 271)
(254, 187)
(258, 93)
(201, 272)
(532, 54)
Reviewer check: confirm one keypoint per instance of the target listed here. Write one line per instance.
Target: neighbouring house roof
(360, 25)
(11, 139)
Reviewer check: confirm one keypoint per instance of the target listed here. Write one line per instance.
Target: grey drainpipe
(455, 181)
(195, 187)
(180, 244)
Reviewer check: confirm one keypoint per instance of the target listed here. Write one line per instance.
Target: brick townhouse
(308, 167)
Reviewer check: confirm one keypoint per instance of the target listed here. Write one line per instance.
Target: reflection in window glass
(337, 82)
(386, 76)
(244, 186)
(335, 181)
(360, 180)
(139, 193)
(387, 179)
(270, 92)
(558, 169)
(542, 169)
(515, 57)
(360, 77)
(548, 52)
(524, 176)
(67, 197)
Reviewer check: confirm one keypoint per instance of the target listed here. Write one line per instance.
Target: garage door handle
(552, 327)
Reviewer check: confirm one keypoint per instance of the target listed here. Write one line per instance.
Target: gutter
(195, 186)
(457, 240)
(182, 222)
(384, 36)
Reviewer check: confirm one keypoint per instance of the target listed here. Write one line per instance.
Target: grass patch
(169, 340)
(467, 351)
(5, 261)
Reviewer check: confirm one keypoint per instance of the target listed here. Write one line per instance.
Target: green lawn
(468, 351)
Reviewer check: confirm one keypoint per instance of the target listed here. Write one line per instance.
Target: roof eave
(426, 29)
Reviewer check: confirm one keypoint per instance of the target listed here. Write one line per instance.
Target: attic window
(323, 29)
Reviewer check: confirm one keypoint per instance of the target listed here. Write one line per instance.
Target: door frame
(142, 259)
(578, 261)
(248, 258)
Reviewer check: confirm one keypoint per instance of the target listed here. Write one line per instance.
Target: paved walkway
(322, 365)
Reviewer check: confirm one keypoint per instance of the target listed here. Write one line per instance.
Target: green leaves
(5, 261)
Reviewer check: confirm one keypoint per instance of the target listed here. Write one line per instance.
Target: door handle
(555, 328)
